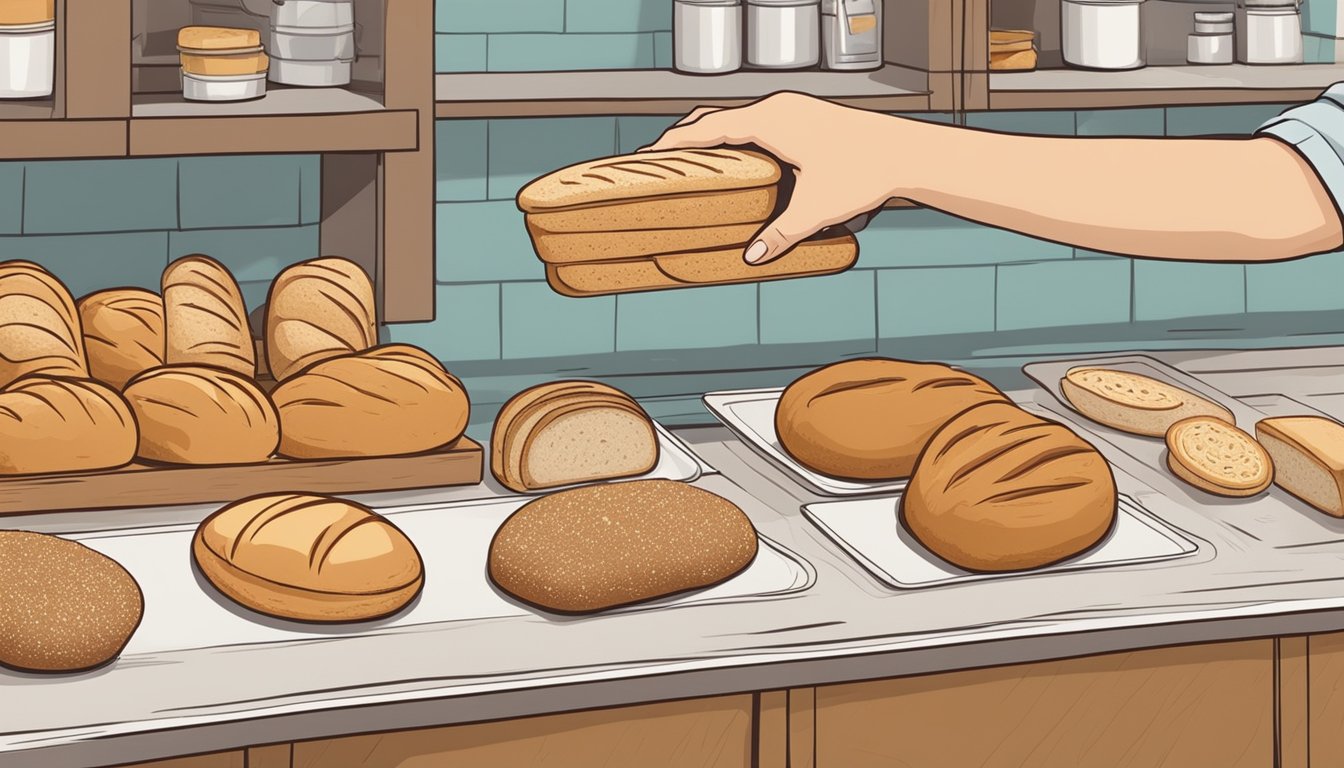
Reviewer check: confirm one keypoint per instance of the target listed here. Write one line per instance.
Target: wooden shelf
(664, 92)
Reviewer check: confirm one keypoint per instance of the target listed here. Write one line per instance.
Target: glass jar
(783, 34)
(707, 36)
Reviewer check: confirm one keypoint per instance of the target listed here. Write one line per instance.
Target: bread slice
(1134, 403)
(671, 212)
(572, 248)
(649, 175)
(1308, 454)
(1217, 457)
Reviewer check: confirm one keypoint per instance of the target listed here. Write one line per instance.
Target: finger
(714, 129)
(791, 227)
(696, 114)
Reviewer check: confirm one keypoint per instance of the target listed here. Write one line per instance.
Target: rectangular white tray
(868, 531)
(750, 414)
(675, 462)
(183, 612)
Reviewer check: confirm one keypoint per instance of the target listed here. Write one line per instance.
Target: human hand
(842, 160)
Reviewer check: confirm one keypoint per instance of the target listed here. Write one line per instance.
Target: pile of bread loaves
(127, 373)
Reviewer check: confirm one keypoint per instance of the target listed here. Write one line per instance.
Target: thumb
(781, 235)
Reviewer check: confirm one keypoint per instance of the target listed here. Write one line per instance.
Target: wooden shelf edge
(1163, 97)
(384, 131)
(61, 139)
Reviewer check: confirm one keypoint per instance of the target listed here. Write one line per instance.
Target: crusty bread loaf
(214, 65)
(869, 419)
(123, 333)
(201, 38)
(1134, 403)
(191, 414)
(63, 606)
(672, 212)
(1308, 457)
(579, 247)
(647, 175)
(386, 401)
(204, 317)
(602, 546)
(1215, 456)
(308, 558)
(317, 310)
(63, 425)
(544, 437)
(39, 326)
(998, 489)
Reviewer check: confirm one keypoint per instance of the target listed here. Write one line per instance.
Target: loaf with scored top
(317, 310)
(63, 425)
(39, 325)
(123, 333)
(205, 319)
(192, 414)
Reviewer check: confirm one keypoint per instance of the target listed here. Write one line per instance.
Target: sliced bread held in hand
(1216, 457)
(569, 432)
(1308, 455)
(1134, 403)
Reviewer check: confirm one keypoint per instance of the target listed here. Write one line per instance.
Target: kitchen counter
(846, 627)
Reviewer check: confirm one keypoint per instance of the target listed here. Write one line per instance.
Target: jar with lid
(783, 34)
(707, 36)
(1272, 33)
(27, 49)
(1102, 34)
(1212, 41)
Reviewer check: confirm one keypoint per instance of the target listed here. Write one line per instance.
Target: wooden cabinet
(236, 759)
(1325, 699)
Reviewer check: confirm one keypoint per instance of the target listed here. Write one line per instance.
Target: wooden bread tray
(143, 485)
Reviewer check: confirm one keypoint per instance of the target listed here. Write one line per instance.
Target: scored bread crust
(123, 333)
(670, 212)
(1316, 440)
(1217, 457)
(588, 247)
(64, 425)
(648, 175)
(317, 310)
(192, 414)
(205, 320)
(1135, 403)
(39, 325)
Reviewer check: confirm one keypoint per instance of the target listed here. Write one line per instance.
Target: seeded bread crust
(205, 320)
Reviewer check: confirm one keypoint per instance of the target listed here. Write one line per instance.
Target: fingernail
(756, 252)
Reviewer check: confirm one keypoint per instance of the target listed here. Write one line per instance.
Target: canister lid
(25, 29)
(783, 3)
(1208, 17)
(719, 3)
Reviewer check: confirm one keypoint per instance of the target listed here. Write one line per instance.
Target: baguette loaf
(123, 333)
(308, 558)
(191, 414)
(63, 606)
(1308, 457)
(204, 317)
(39, 326)
(63, 425)
(684, 211)
(602, 546)
(386, 401)
(569, 432)
(1216, 457)
(317, 310)
(998, 489)
(1134, 403)
(618, 180)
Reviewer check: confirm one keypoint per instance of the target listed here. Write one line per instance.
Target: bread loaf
(39, 327)
(601, 546)
(63, 425)
(201, 38)
(308, 558)
(998, 489)
(1134, 403)
(744, 206)
(318, 310)
(63, 606)
(191, 414)
(1308, 457)
(123, 333)
(579, 247)
(386, 401)
(869, 419)
(204, 317)
(1215, 456)
(568, 432)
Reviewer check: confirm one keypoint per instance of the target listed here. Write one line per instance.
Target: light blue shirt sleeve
(1316, 130)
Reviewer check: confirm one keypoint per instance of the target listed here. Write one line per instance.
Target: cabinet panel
(708, 733)
(1174, 707)
(215, 760)
(1325, 699)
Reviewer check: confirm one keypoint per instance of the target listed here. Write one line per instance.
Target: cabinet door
(703, 733)
(214, 760)
(1175, 707)
(1325, 699)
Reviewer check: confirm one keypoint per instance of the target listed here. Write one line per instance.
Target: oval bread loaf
(998, 489)
(308, 558)
(568, 432)
(602, 546)
(1134, 403)
(205, 318)
(63, 606)
(191, 414)
(39, 326)
(1215, 456)
(869, 419)
(386, 401)
(123, 333)
(63, 425)
(318, 310)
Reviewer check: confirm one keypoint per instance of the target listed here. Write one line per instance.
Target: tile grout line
(23, 197)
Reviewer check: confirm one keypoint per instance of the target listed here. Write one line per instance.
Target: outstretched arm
(1193, 199)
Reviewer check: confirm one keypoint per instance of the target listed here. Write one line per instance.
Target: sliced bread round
(1131, 402)
(1217, 457)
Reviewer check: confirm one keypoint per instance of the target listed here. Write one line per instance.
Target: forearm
(1201, 199)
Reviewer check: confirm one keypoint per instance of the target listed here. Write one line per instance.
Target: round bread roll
(387, 401)
(123, 333)
(205, 319)
(39, 326)
(308, 558)
(63, 425)
(869, 419)
(317, 310)
(998, 489)
(191, 414)
(602, 546)
(1215, 456)
(63, 607)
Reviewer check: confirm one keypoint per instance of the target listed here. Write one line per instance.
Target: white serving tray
(675, 462)
(750, 413)
(183, 612)
(869, 531)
